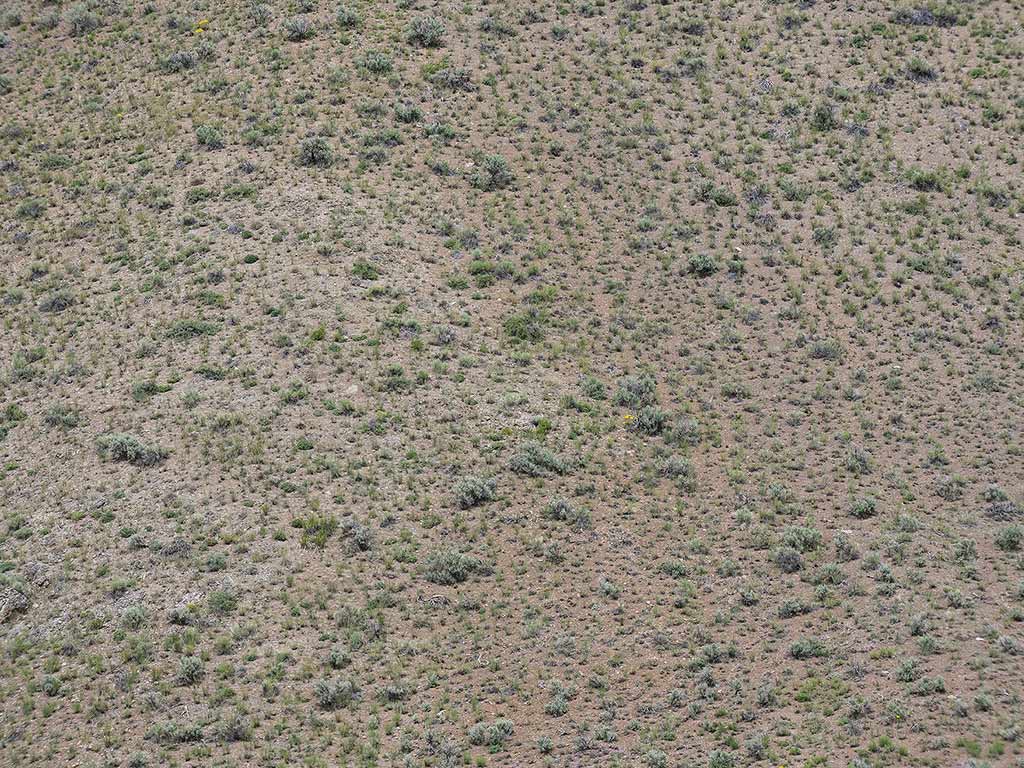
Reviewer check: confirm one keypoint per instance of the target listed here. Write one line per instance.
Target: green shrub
(681, 471)
(347, 17)
(636, 391)
(864, 508)
(189, 328)
(30, 209)
(376, 62)
(209, 136)
(315, 151)
(472, 491)
(426, 31)
(801, 538)
(179, 61)
(364, 270)
(823, 118)
(649, 420)
(527, 325)
(408, 113)
(1010, 538)
(702, 264)
(562, 511)
(808, 648)
(449, 566)
(223, 601)
(190, 670)
(297, 29)
(124, 447)
(493, 173)
(492, 735)
(82, 21)
(533, 460)
(788, 559)
(452, 78)
(826, 349)
(332, 694)
(684, 431)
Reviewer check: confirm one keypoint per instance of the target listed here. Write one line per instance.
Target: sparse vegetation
(453, 384)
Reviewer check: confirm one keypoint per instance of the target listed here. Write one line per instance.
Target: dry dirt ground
(582, 383)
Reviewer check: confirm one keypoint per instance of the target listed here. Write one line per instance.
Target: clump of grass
(316, 530)
(918, 69)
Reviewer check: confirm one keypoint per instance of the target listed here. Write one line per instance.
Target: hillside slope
(511, 384)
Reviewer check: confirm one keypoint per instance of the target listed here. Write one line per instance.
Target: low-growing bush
(808, 648)
(492, 735)
(297, 29)
(527, 325)
(315, 151)
(347, 17)
(649, 420)
(562, 511)
(864, 508)
(209, 136)
(124, 447)
(636, 391)
(449, 566)
(534, 460)
(190, 670)
(333, 694)
(788, 560)
(492, 173)
(426, 31)
(472, 491)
